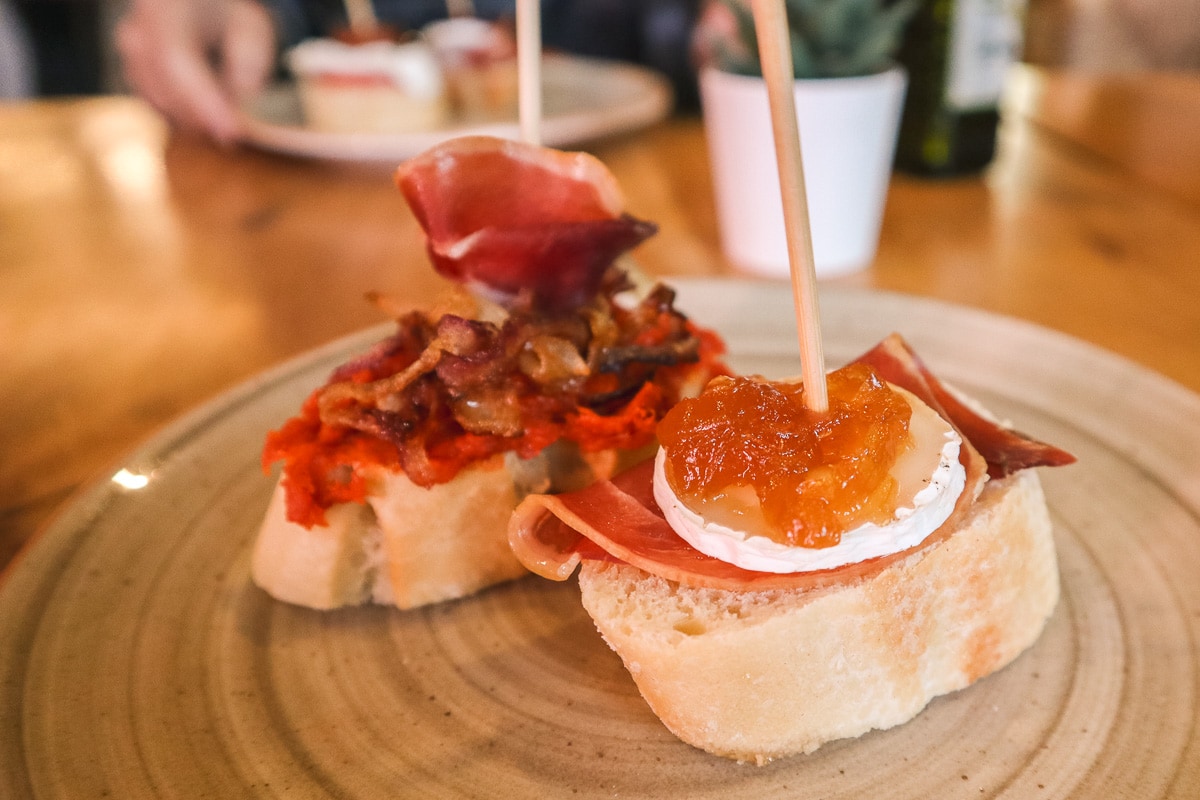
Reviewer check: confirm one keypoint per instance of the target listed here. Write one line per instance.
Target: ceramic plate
(138, 661)
(583, 99)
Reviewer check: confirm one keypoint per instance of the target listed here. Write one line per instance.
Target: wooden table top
(142, 273)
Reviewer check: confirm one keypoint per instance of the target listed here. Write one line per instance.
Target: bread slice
(759, 675)
(407, 546)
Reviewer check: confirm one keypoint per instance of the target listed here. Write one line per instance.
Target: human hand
(194, 60)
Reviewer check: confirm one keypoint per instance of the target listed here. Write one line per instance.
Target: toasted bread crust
(410, 546)
(759, 675)
(407, 547)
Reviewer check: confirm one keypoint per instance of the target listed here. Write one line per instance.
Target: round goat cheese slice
(929, 480)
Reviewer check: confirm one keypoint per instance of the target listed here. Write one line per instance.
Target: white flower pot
(848, 130)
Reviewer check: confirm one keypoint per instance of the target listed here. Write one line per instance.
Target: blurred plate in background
(583, 99)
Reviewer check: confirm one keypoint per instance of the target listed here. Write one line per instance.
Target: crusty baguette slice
(321, 567)
(759, 675)
(407, 547)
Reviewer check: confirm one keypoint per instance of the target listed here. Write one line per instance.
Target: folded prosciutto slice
(619, 520)
(1005, 450)
(525, 224)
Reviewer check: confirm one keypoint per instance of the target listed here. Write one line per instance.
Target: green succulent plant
(830, 38)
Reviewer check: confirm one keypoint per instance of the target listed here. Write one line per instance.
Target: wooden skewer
(460, 8)
(774, 46)
(361, 15)
(529, 70)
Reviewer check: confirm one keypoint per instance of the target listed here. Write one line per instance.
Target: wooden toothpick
(361, 15)
(775, 49)
(529, 70)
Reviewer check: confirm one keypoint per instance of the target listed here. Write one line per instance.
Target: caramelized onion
(444, 390)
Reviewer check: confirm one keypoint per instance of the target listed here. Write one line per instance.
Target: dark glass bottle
(957, 53)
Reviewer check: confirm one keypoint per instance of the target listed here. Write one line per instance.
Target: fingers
(197, 98)
(248, 49)
(170, 56)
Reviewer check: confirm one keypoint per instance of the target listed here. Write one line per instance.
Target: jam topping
(750, 455)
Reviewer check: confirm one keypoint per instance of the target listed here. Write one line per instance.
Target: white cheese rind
(932, 502)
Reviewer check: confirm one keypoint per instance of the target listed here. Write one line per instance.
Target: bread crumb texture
(760, 675)
(386, 551)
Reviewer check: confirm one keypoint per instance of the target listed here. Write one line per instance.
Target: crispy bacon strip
(619, 520)
(446, 391)
(520, 221)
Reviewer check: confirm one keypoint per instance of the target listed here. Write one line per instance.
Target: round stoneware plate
(138, 661)
(583, 99)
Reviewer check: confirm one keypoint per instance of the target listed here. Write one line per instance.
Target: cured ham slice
(519, 222)
(1005, 450)
(618, 520)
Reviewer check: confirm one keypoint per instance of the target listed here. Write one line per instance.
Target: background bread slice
(758, 675)
(408, 546)
(321, 567)
(447, 541)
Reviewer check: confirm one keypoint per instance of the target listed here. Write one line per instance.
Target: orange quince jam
(748, 450)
